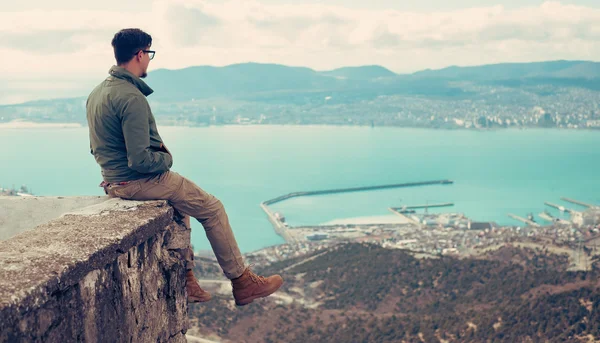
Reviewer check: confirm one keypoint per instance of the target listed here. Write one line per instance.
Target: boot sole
(195, 300)
(249, 300)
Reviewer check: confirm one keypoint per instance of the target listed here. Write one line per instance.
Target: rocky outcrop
(112, 272)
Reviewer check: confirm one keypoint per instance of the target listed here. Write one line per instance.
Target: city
(447, 104)
(443, 233)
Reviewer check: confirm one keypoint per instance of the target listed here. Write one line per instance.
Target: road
(195, 339)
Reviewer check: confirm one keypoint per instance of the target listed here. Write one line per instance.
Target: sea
(494, 172)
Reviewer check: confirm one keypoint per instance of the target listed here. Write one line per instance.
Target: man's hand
(164, 148)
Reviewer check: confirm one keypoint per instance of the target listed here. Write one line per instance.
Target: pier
(446, 204)
(559, 207)
(576, 202)
(279, 227)
(547, 217)
(283, 230)
(524, 220)
(355, 189)
(403, 215)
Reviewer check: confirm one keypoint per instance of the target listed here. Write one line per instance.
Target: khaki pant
(189, 199)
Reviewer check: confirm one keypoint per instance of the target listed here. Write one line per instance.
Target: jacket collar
(124, 74)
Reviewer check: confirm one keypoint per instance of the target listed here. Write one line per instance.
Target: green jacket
(123, 135)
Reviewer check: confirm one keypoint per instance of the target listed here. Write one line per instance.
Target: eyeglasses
(149, 52)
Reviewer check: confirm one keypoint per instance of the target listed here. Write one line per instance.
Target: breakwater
(355, 189)
(283, 229)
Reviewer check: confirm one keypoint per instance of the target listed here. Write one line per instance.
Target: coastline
(379, 127)
(21, 124)
(383, 219)
(16, 124)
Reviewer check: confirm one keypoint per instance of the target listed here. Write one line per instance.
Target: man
(136, 164)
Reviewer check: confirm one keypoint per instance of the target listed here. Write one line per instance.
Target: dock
(403, 215)
(559, 207)
(576, 202)
(279, 227)
(547, 217)
(524, 220)
(283, 230)
(447, 204)
(355, 189)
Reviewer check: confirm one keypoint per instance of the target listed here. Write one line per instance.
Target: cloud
(196, 32)
(51, 41)
(189, 25)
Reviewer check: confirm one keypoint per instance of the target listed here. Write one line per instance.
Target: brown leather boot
(250, 286)
(195, 293)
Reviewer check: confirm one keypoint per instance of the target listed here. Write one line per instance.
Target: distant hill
(281, 84)
(503, 95)
(275, 83)
(205, 82)
(254, 81)
(361, 73)
(503, 71)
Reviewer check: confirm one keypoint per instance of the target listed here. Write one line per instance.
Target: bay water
(495, 172)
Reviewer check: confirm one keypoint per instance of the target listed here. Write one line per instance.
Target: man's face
(144, 62)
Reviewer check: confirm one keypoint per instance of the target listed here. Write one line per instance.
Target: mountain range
(498, 95)
(253, 80)
(270, 82)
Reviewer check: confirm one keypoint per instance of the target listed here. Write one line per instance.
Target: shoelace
(256, 278)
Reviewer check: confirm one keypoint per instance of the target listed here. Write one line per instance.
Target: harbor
(577, 218)
(448, 233)
(295, 235)
(415, 220)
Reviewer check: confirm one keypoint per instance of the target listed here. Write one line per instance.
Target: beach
(18, 124)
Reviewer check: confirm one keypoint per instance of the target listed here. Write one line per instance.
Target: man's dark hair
(128, 42)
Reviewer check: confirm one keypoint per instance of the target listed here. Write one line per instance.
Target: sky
(51, 48)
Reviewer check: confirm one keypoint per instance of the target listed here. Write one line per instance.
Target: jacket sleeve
(136, 131)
